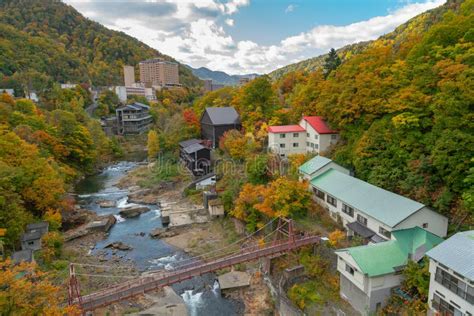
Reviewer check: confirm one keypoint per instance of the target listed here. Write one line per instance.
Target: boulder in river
(103, 224)
(133, 211)
(118, 245)
(106, 203)
(162, 233)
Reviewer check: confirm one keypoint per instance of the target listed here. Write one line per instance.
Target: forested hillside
(403, 105)
(402, 33)
(315, 63)
(405, 109)
(41, 153)
(48, 37)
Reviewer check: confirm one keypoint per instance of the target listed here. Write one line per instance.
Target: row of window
(455, 285)
(346, 209)
(312, 145)
(295, 145)
(283, 135)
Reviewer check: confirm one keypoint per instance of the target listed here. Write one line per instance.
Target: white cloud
(192, 32)
(290, 8)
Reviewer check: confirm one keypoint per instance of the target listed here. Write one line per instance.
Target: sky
(250, 36)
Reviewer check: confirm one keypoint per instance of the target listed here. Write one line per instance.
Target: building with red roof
(313, 134)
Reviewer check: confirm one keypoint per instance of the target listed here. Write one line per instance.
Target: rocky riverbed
(128, 249)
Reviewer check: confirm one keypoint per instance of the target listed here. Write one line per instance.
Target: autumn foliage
(28, 291)
(280, 198)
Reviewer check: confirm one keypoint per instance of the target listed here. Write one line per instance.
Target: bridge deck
(158, 280)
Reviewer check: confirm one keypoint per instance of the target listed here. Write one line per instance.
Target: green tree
(331, 62)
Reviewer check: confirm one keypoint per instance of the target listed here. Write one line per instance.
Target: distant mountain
(218, 77)
(54, 41)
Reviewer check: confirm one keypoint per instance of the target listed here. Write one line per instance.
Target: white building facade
(370, 274)
(286, 140)
(452, 276)
(319, 136)
(371, 212)
(316, 137)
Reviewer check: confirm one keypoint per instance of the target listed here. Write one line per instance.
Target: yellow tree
(153, 144)
(28, 291)
(286, 198)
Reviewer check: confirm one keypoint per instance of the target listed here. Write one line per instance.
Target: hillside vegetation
(315, 63)
(401, 34)
(48, 37)
(403, 105)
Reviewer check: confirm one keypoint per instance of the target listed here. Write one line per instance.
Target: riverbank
(100, 267)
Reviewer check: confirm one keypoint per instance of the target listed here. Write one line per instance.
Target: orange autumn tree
(285, 198)
(28, 291)
(244, 209)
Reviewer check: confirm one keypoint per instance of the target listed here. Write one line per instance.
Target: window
(307, 134)
(385, 232)
(282, 135)
(331, 200)
(334, 136)
(444, 307)
(282, 145)
(307, 144)
(296, 145)
(361, 219)
(315, 136)
(455, 285)
(312, 145)
(350, 269)
(319, 194)
(348, 210)
(425, 225)
(296, 135)
(316, 146)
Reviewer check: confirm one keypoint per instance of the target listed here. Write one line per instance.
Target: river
(201, 294)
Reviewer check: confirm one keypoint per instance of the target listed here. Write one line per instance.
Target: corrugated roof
(286, 129)
(387, 257)
(223, 115)
(457, 253)
(314, 164)
(188, 142)
(193, 148)
(135, 106)
(319, 125)
(385, 206)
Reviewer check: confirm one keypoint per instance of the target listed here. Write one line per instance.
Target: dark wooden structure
(133, 118)
(195, 156)
(216, 121)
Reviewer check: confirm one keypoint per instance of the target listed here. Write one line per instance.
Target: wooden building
(133, 118)
(216, 121)
(195, 156)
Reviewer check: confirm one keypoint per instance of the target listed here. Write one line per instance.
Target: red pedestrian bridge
(250, 249)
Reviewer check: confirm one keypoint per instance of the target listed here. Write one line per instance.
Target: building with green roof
(318, 165)
(369, 211)
(369, 273)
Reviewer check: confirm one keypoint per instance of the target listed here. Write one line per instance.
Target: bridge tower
(74, 292)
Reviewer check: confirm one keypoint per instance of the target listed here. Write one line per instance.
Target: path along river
(201, 294)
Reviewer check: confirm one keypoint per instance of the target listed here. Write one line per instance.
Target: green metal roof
(314, 164)
(387, 207)
(386, 257)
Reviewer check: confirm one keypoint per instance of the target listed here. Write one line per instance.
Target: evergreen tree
(331, 62)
